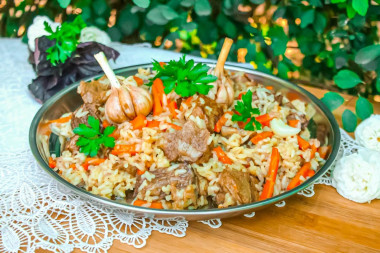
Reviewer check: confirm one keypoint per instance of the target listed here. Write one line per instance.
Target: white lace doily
(35, 211)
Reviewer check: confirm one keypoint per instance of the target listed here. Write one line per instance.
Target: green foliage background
(332, 44)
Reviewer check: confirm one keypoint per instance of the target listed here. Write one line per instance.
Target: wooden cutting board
(326, 222)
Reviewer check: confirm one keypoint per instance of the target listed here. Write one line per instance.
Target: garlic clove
(113, 111)
(142, 100)
(126, 102)
(281, 129)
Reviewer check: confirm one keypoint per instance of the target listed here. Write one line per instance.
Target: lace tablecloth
(36, 212)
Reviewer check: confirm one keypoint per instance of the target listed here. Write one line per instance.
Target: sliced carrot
(115, 134)
(153, 123)
(241, 95)
(222, 156)
(313, 151)
(261, 136)
(140, 172)
(139, 122)
(105, 123)
(242, 124)
(297, 178)
(154, 204)
(221, 122)
(52, 163)
(172, 105)
(292, 96)
(269, 87)
(303, 144)
(310, 173)
(124, 149)
(73, 166)
(174, 126)
(264, 119)
(92, 161)
(272, 174)
(324, 151)
(293, 122)
(61, 120)
(157, 92)
(138, 80)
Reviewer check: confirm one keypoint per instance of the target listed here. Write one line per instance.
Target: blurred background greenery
(331, 44)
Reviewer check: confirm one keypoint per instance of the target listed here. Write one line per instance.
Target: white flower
(357, 176)
(367, 133)
(37, 29)
(93, 33)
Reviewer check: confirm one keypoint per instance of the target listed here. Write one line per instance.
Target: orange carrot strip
(241, 95)
(138, 80)
(324, 151)
(105, 123)
(272, 174)
(303, 144)
(264, 119)
(174, 126)
(140, 172)
(92, 161)
(157, 92)
(222, 156)
(221, 122)
(269, 87)
(310, 173)
(139, 122)
(313, 151)
(115, 134)
(293, 122)
(261, 136)
(153, 123)
(154, 204)
(52, 163)
(123, 149)
(172, 105)
(61, 120)
(292, 96)
(162, 64)
(297, 178)
(73, 166)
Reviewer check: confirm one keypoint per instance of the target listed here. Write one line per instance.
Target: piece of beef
(239, 185)
(183, 187)
(301, 117)
(94, 91)
(92, 110)
(186, 145)
(208, 110)
(278, 98)
(71, 145)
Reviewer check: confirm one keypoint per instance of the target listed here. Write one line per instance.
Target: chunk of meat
(208, 110)
(301, 117)
(94, 91)
(71, 145)
(229, 131)
(186, 145)
(77, 119)
(180, 185)
(239, 185)
(130, 169)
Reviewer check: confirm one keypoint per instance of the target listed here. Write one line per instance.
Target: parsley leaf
(184, 77)
(91, 138)
(66, 40)
(245, 113)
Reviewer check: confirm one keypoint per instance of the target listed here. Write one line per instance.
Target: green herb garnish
(66, 40)
(183, 77)
(91, 138)
(246, 112)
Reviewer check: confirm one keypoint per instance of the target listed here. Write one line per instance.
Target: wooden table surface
(326, 222)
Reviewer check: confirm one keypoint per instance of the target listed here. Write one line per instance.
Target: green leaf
(142, 3)
(257, 1)
(108, 130)
(202, 8)
(279, 13)
(319, 22)
(307, 18)
(168, 12)
(279, 40)
(349, 121)
(361, 6)
(367, 54)
(156, 15)
(332, 100)
(338, 1)
(378, 83)
(283, 70)
(64, 3)
(350, 11)
(346, 79)
(187, 3)
(363, 108)
(99, 7)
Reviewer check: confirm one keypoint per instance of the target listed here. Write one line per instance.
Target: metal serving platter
(68, 100)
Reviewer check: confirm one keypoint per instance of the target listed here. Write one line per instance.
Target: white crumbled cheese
(357, 176)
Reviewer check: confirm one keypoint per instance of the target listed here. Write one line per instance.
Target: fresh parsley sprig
(246, 112)
(66, 40)
(184, 77)
(91, 138)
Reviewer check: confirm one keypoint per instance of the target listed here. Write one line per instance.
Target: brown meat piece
(210, 116)
(94, 91)
(301, 117)
(186, 145)
(130, 169)
(92, 110)
(183, 186)
(238, 184)
(71, 145)
(278, 98)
